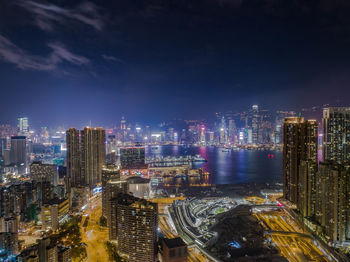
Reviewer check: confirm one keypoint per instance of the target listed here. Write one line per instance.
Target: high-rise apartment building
(336, 134)
(86, 154)
(333, 201)
(300, 144)
(109, 173)
(307, 188)
(136, 230)
(73, 156)
(23, 126)
(113, 188)
(93, 154)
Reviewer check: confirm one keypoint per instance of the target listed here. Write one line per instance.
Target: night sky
(68, 62)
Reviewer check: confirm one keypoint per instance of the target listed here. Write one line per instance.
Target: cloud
(112, 58)
(11, 53)
(47, 15)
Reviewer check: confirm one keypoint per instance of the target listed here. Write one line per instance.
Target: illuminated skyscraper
(136, 229)
(73, 156)
(123, 128)
(93, 154)
(18, 150)
(336, 134)
(109, 173)
(255, 123)
(223, 137)
(280, 116)
(86, 154)
(300, 144)
(333, 201)
(112, 189)
(232, 131)
(202, 136)
(23, 126)
(307, 188)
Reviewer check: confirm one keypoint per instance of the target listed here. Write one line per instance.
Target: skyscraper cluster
(320, 190)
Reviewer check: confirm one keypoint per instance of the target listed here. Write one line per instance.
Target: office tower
(132, 161)
(132, 157)
(136, 230)
(109, 173)
(202, 135)
(23, 126)
(73, 157)
(93, 154)
(223, 137)
(123, 128)
(300, 143)
(255, 123)
(170, 135)
(333, 201)
(174, 250)
(232, 131)
(336, 134)
(44, 172)
(18, 150)
(280, 116)
(211, 138)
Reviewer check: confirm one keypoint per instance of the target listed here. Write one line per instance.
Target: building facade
(300, 144)
(136, 231)
(336, 134)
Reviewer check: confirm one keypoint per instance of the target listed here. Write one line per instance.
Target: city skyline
(311, 112)
(163, 131)
(270, 53)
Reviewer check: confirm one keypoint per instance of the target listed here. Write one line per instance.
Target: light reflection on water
(233, 167)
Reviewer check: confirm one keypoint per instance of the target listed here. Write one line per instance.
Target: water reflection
(231, 167)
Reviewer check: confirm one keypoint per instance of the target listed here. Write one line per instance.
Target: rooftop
(174, 242)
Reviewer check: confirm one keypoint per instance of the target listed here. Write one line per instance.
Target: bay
(233, 167)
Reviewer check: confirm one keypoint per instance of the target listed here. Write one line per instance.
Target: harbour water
(232, 167)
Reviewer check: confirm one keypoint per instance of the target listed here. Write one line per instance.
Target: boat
(199, 158)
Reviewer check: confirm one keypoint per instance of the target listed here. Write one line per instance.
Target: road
(293, 243)
(93, 234)
(194, 253)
